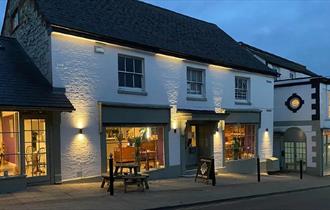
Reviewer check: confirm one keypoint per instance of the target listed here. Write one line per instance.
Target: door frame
(37, 179)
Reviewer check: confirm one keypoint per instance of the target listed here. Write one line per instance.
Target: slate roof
(144, 26)
(21, 84)
(278, 61)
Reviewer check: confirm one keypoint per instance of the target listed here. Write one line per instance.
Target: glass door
(294, 152)
(35, 146)
(326, 154)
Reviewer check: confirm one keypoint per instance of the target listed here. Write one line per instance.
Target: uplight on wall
(80, 131)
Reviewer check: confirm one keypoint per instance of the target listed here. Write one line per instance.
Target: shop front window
(35, 147)
(240, 141)
(9, 144)
(143, 146)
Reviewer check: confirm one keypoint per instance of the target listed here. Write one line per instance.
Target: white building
(301, 115)
(150, 86)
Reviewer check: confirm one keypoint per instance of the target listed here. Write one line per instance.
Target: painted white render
(324, 105)
(308, 130)
(91, 77)
(282, 113)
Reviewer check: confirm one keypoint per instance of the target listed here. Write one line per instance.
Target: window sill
(132, 92)
(191, 98)
(243, 103)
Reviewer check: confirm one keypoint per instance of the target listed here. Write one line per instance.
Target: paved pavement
(163, 193)
(317, 199)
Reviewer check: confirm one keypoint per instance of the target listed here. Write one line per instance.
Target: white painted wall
(89, 77)
(324, 105)
(282, 113)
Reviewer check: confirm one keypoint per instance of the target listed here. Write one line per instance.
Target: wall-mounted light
(174, 130)
(266, 130)
(217, 129)
(80, 131)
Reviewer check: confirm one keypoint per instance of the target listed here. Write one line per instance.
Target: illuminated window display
(240, 141)
(143, 146)
(35, 147)
(9, 144)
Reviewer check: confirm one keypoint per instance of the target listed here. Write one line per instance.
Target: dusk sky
(297, 30)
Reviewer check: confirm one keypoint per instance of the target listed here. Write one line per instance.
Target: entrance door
(35, 150)
(192, 142)
(326, 154)
(294, 152)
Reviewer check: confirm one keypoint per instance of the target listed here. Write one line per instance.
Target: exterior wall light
(267, 130)
(80, 131)
(174, 130)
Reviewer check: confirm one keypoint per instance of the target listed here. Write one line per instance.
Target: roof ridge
(177, 13)
(263, 51)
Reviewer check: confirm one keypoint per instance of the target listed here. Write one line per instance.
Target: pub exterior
(161, 98)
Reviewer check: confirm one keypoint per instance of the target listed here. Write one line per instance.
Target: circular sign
(294, 102)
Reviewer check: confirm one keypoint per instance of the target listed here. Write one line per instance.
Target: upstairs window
(242, 89)
(15, 20)
(195, 82)
(130, 72)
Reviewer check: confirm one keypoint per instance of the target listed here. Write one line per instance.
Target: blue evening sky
(296, 29)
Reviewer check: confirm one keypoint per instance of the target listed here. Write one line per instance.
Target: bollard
(301, 169)
(258, 169)
(213, 173)
(111, 178)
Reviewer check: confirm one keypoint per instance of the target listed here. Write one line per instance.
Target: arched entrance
(294, 149)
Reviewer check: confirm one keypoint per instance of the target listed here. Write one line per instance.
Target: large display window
(143, 146)
(240, 141)
(9, 144)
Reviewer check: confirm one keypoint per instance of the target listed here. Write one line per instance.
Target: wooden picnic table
(141, 180)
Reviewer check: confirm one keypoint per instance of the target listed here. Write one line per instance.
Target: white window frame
(248, 90)
(203, 85)
(142, 74)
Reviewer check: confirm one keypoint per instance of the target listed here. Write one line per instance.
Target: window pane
(121, 79)
(9, 144)
(129, 80)
(138, 66)
(189, 75)
(194, 76)
(121, 63)
(138, 81)
(199, 89)
(129, 65)
(199, 77)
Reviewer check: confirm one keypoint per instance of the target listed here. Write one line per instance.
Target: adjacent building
(148, 85)
(301, 114)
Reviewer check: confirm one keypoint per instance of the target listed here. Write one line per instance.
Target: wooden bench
(141, 180)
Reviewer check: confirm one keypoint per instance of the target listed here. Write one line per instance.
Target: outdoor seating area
(129, 175)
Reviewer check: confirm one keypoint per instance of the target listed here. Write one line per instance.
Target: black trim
(60, 29)
(294, 96)
(316, 96)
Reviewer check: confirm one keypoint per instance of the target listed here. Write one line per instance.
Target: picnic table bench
(141, 180)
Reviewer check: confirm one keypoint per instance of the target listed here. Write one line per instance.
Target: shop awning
(200, 115)
(22, 86)
(252, 116)
(120, 113)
